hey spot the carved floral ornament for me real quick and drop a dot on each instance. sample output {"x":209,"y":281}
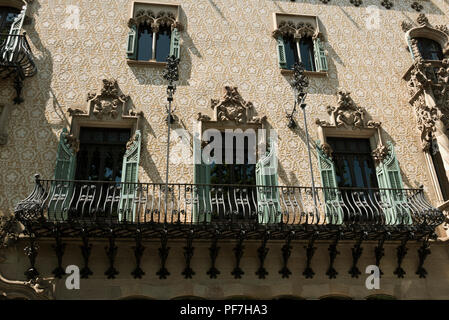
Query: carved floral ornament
{"x":297,"y":30}
{"x":155,"y":20}
{"x":347,"y":115}
{"x":109,"y":103}
{"x":232,"y":108}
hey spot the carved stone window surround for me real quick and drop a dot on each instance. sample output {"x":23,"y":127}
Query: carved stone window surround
{"x":231,"y":112}
{"x":156,"y":14}
{"x":347,"y":120}
{"x":107,"y":109}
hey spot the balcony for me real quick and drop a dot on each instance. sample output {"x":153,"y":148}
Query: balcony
{"x":73,"y":206}
{"x":16,"y":61}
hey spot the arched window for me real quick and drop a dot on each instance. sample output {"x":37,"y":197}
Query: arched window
{"x":163,"y":43}
{"x":144,"y":42}
{"x":307,"y":54}
{"x":299,"y":51}
{"x":7,"y":16}
{"x":429,"y":49}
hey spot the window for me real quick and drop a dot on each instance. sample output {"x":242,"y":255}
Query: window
{"x":429,"y":49}
{"x":100,"y":156}
{"x":353,"y":162}
{"x":7,"y":16}
{"x":299,"y":40}
{"x":154,"y":33}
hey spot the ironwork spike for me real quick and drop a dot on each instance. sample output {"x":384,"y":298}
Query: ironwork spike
{"x":286,"y":253}
{"x":59,"y":248}
{"x":213,"y":253}
{"x":238,"y":252}
{"x":379,"y":250}
{"x":357,"y":251}
{"x":310,"y":251}
{"x":111,"y":252}
{"x":188,"y":254}
{"x":423,"y":252}
{"x":163,"y":255}
{"x":333,"y":252}
{"x":31,"y":252}
{"x":138,"y":253}
{"x":86,"y":249}
{"x":262,"y":252}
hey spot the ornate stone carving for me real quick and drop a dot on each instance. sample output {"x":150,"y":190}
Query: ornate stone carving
{"x":36,"y":289}
{"x":155,"y":20}
{"x":110,"y":103}
{"x":347,"y":113}
{"x":9,"y":231}
{"x":326,"y":149}
{"x":422,"y":20}
{"x":406,"y":26}
{"x":380,"y":153}
{"x":232,"y":107}
{"x":297,"y":30}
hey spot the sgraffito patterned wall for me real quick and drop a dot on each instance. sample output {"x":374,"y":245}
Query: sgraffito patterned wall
{"x":225,"y":42}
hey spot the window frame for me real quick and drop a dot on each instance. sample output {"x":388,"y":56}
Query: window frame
{"x":175,"y":27}
{"x":310,"y":28}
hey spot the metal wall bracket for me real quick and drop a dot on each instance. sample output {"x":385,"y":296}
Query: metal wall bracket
{"x":379,"y":251}
{"x":310,"y":251}
{"x":238,"y":252}
{"x":357,"y":251}
{"x":213,"y":253}
{"x":111,"y":252}
{"x":59,"y":248}
{"x":262,"y":252}
{"x":401,"y":251}
{"x":31,"y":252}
{"x":188,"y":254}
{"x":286,"y":253}
{"x":86,"y":249}
{"x":163,"y":255}
{"x":423,"y":252}
{"x":333,"y":252}
{"x":138,"y":253}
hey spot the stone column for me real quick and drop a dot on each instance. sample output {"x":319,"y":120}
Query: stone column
{"x":443,"y":144}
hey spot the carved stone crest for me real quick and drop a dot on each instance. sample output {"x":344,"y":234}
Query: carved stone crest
{"x":232,"y":108}
{"x":109,"y":103}
{"x":346,"y":113}
{"x":155,"y":20}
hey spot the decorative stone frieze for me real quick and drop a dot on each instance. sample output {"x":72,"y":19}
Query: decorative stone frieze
{"x":297,"y":30}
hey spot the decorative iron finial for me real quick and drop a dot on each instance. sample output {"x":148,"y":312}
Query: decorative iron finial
{"x":300,"y":80}
{"x":171,"y":71}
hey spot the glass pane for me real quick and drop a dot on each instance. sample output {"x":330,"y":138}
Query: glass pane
{"x":163,"y":44}
{"x":7,"y":16}
{"x":429,"y":49}
{"x":144,"y":42}
{"x":307,"y":58}
{"x":291,"y":52}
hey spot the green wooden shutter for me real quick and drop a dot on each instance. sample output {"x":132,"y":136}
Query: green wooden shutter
{"x":131,"y":47}
{"x":268,"y":203}
{"x":62,"y":190}
{"x":175,"y":49}
{"x":389,"y":177}
{"x":281,"y":53}
{"x":12,"y":41}
{"x":202,"y":179}
{"x":333,"y":210}
{"x":320,"y":55}
{"x":130,"y":176}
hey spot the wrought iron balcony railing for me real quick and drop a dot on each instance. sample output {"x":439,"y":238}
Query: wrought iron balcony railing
{"x":16,"y":61}
{"x":118,"y":203}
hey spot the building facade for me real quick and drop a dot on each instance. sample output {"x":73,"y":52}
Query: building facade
{"x":85,"y":95}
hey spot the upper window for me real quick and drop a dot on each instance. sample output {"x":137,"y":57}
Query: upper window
{"x":299,"y":40}
{"x":429,"y":49}
{"x":7,"y":16}
{"x":154,"y":33}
